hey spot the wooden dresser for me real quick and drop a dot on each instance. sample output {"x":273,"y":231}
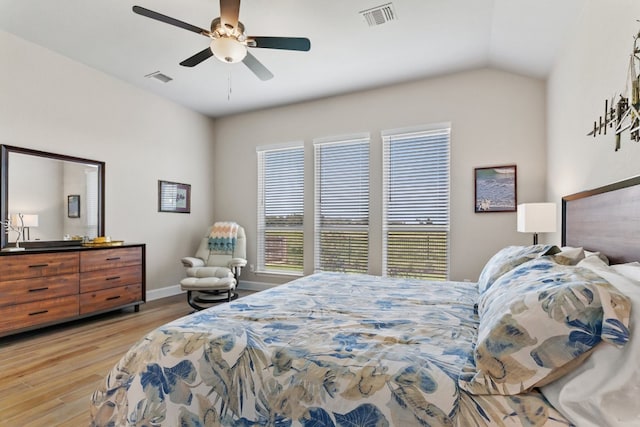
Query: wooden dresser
{"x":43,"y":287}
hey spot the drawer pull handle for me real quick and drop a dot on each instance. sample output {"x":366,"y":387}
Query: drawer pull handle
{"x":112,"y":298}
{"x":38,"y":265}
{"x":113,"y":278}
{"x":115,"y":258}
{"x":38,"y":289}
{"x":35,"y":313}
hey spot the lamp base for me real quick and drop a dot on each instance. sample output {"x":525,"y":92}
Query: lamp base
{"x":12,"y":249}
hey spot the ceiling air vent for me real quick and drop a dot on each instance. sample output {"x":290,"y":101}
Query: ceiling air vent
{"x":159,"y":76}
{"x":379,"y":15}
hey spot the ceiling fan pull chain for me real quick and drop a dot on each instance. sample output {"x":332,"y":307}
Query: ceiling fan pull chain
{"x":229,"y":87}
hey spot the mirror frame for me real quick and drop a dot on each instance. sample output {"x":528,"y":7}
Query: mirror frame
{"x":5,"y":150}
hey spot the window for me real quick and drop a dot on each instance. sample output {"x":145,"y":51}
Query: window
{"x":91,"y":217}
{"x":342,"y":205}
{"x":416,"y":203}
{"x":280,"y":209}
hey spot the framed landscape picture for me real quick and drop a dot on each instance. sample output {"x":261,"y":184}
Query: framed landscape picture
{"x":496,"y":189}
{"x":73,"y":206}
{"x":174,"y":197}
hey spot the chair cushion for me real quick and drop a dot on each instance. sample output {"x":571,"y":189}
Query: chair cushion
{"x":216,"y":272}
{"x":207,"y":284}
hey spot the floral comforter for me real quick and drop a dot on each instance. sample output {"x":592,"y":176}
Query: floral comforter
{"x":324,"y":350}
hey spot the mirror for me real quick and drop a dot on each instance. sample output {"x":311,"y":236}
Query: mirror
{"x":61,"y":197}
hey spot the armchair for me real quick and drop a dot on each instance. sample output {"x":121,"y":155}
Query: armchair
{"x":216,"y":266}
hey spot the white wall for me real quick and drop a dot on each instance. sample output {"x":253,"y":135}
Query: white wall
{"x":31,"y":194}
{"x":497,"y":118}
{"x":50,"y":103}
{"x":592,"y":68}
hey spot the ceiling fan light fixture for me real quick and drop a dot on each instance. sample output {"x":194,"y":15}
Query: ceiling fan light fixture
{"x":228,"y":49}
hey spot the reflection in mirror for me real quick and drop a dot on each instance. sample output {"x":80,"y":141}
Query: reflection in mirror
{"x":38,"y":185}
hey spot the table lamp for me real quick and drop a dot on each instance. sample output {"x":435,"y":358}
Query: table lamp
{"x":536,"y":218}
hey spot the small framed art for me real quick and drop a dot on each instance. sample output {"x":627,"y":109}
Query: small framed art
{"x":174,"y":197}
{"x":73,"y":206}
{"x":496,"y":189}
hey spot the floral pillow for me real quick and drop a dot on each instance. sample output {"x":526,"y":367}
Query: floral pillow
{"x":604,"y":388}
{"x":508,"y":258}
{"x":538,"y":321}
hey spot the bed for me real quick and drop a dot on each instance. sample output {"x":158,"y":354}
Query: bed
{"x":333,"y":349}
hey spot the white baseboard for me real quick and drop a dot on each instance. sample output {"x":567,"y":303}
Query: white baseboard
{"x":169,"y":291}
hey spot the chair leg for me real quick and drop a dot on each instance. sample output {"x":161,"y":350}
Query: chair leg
{"x":191,"y":299}
{"x":192,"y":302}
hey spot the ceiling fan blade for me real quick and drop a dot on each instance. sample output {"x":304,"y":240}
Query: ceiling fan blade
{"x":229,"y":12}
{"x":169,"y":20}
{"x":288,"y":43}
{"x":256,"y":66}
{"x":197,"y":58}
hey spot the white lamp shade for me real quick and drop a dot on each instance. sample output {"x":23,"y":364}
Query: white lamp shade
{"x":27,"y":220}
{"x":30,"y":220}
{"x":537,"y":217}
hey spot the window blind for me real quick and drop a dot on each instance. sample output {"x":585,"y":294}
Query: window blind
{"x":416,"y":203}
{"x":342,"y":205}
{"x":280,"y":209}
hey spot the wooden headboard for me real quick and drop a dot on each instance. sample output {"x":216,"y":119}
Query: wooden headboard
{"x":605,"y":219}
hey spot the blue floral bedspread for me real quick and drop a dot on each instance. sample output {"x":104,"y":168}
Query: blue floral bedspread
{"x":324,"y":350}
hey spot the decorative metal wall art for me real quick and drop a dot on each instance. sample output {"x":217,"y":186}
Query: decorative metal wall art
{"x":624,"y":114}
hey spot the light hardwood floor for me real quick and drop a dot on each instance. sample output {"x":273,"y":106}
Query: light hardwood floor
{"x":47,"y":376}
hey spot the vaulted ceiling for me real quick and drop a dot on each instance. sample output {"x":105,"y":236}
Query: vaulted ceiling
{"x":421,"y":38}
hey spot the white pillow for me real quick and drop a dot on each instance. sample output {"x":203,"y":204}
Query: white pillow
{"x":630,"y":270}
{"x":600,"y":255}
{"x":605,"y":390}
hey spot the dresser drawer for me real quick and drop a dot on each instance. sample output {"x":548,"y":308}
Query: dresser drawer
{"x":36,"y":313}
{"x":103,"y":279}
{"x":37,"y":265}
{"x":109,"y":258}
{"x":108,"y":298}
{"x":31,"y":290}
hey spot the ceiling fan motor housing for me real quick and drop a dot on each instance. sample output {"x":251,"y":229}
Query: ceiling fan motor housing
{"x":227,"y":30}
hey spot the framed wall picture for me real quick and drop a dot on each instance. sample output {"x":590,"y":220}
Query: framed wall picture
{"x":496,"y":189}
{"x":174,"y":197}
{"x":73,"y":206}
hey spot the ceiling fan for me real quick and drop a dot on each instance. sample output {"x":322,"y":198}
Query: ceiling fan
{"x":228,"y":41}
